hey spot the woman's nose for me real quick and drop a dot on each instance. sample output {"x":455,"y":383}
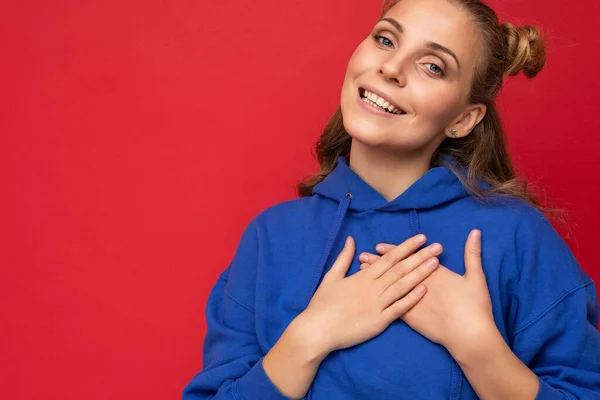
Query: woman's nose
{"x":394,"y":69}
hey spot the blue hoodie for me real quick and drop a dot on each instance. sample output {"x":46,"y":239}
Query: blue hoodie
{"x":544,"y":304}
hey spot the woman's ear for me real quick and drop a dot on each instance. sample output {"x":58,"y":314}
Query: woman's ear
{"x":467,"y":120}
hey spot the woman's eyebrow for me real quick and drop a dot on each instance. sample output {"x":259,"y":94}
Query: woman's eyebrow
{"x":431,"y":45}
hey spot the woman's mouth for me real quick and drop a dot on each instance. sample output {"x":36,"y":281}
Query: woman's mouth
{"x":378,"y":104}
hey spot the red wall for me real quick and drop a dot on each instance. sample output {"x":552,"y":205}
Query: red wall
{"x":137,"y":138}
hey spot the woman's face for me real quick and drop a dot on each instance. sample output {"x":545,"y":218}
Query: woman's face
{"x":413,"y":66}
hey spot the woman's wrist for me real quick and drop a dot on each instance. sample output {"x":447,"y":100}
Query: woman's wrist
{"x":293,"y":361}
{"x":308,"y":338}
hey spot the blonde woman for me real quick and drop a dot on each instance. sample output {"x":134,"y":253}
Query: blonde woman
{"x":414,"y":265}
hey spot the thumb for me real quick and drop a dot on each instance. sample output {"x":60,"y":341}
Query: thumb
{"x":340,"y":267}
{"x":473,"y":265}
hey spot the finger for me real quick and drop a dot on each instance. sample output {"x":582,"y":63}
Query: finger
{"x":404,"y":305}
{"x":340,"y":267}
{"x":368,"y":258}
{"x":397,"y":254}
{"x":473,"y":267}
{"x":404,"y":267}
{"x":383,"y":248}
{"x":401,"y":287}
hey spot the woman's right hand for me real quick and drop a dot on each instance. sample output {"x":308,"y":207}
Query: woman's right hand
{"x":345,"y":311}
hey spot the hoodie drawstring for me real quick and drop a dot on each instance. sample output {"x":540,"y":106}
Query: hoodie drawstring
{"x":333,"y":233}
{"x":413,"y":219}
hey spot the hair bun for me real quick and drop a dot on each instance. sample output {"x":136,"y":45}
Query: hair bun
{"x":526,"y":51}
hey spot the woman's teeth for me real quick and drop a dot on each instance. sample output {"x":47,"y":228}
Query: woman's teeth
{"x":377,"y":101}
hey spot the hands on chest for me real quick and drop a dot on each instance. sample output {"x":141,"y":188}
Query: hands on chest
{"x":447,"y":308}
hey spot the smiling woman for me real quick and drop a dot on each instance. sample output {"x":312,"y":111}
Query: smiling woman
{"x":445,"y":89}
{"x":495,"y":306}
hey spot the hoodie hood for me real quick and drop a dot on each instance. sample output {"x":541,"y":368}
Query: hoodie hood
{"x":439,"y":185}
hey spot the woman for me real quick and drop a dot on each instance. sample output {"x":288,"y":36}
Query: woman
{"x":505,"y":310}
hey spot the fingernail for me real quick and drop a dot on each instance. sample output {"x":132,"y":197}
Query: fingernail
{"x":420,"y":238}
{"x":475,"y":234}
{"x":348,"y":241}
{"x":431,"y":263}
{"x":380,"y":248}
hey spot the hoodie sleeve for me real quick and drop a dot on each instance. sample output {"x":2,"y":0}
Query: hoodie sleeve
{"x":232,"y":358}
{"x":556,"y":315}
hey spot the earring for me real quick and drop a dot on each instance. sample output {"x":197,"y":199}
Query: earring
{"x":453,"y":132}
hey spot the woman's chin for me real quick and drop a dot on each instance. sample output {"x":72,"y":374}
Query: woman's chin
{"x":369,"y":139}
{"x":365,"y":131}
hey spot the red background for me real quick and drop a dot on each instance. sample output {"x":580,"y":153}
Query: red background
{"x":138,"y":138}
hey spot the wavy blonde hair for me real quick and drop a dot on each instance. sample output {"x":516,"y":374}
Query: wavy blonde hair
{"x":507,"y":50}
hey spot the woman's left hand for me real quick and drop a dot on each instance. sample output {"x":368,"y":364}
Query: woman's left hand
{"x":456,"y":310}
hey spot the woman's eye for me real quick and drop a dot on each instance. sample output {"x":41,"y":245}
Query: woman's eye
{"x":437,"y":70}
{"x":377,"y":37}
